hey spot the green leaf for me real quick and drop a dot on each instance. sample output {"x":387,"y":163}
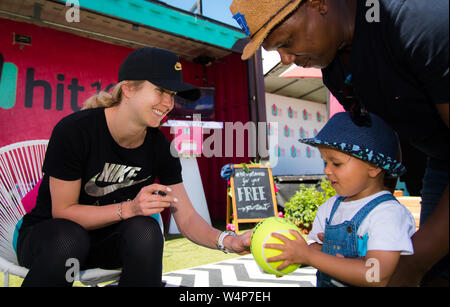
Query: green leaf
{"x":302,"y":207}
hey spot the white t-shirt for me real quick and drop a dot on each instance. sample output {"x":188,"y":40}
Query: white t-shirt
{"x":389,"y":225}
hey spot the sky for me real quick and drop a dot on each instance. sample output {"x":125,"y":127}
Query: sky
{"x":215,"y":9}
{"x":220,"y":10}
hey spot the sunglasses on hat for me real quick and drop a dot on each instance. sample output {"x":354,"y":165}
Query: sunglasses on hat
{"x":353,"y":105}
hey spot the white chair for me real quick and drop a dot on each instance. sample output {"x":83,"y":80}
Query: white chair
{"x":20,"y":169}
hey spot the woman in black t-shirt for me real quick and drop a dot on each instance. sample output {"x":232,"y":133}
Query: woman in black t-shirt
{"x":98,"y":192}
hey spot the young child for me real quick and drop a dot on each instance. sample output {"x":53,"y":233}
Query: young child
{"x":360,"y":233}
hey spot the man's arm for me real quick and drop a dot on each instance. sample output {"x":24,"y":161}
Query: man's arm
{"x":443,"y":111}
{"x":430,"y":245}
{"x":430,"y":241}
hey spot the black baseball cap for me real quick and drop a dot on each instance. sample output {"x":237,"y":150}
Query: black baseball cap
{"x":160,"y":67}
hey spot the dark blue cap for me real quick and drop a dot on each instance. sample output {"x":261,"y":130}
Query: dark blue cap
{"x":160,"y":67}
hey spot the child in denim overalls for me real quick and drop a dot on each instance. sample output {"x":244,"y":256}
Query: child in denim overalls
{"x":360,"y":233}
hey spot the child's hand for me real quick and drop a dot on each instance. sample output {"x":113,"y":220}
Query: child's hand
{"x":321,"y":236}
{"x":294,"y":251}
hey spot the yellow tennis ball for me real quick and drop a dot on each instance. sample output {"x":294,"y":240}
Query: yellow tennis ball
{"x":262,"y":234}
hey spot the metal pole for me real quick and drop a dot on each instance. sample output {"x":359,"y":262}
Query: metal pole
{"x":198,"y":6}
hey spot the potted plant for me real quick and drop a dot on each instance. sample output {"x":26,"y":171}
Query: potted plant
{"x":302,"y":207}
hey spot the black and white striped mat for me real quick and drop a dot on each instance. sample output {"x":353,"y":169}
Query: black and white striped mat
{"x":237,"y":272}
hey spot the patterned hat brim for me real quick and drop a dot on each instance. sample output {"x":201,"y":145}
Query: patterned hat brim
{"x":386,"y":163}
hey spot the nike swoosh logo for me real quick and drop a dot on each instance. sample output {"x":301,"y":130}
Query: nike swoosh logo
{"x":92,"y":189}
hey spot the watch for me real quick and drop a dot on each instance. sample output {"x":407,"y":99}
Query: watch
{"x":220,"y":241}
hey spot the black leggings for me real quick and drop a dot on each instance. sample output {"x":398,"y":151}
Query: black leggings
{"x":135,"y":245}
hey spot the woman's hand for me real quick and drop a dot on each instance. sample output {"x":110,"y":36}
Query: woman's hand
{"x":241,"y":244}
{"x":148,"y":201}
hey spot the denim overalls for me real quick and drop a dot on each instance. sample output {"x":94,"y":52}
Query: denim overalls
{"x":342,"y":239}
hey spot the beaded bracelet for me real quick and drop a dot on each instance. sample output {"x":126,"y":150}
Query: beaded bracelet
{"x":119,"y":211}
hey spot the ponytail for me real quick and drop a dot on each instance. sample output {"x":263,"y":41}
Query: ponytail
{"x":107,"y":100}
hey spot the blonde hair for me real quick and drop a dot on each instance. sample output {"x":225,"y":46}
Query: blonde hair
{"x":107,"y":100}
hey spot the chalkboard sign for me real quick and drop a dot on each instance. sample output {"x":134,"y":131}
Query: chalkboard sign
{"x":253,"y":194}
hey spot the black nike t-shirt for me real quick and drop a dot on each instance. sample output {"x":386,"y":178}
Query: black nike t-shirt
{"x":81,"y":147}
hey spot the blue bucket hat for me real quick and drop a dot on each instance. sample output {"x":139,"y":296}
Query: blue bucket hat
{"x":377,"y":144}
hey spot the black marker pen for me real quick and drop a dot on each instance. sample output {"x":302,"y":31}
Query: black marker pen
{"x":162,"y":193}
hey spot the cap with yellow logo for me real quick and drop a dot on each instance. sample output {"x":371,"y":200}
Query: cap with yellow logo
{"x":178,"y":66}
{"x":160,"y":67}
